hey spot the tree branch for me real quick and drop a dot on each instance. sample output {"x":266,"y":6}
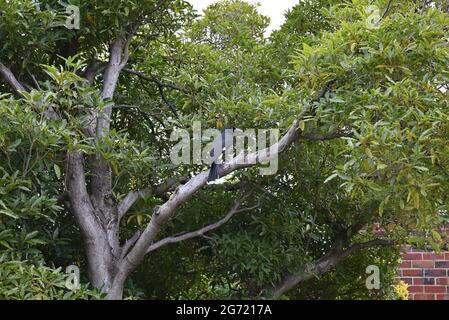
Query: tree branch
{"x":101,"y":177}
{"x":79,"y":197}
{"x":141,"y":18}
{"x":167,"y":102}
{"x":201,"y":232}
{"x":331,"y":136}
{"x":95,"y":67}
{"x":154,"y":79}
{"x":36,"y":83}
{"x":11,"y":79}
{"x":325,"y":263}
{"x":387,"y":9}
{"x":160,"y":86}
{"x":18,"y":87}
{"x":128,"y":243}
{"x":364,"y":245}
{"x":160,"y":190}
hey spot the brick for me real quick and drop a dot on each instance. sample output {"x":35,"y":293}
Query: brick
{"x":435,"y":289}
{"x":441,"y":264}
{"x":412,"y":256}
{"x":418,"y":289}
{"x":435,"y":272}
{"x":433,"y":256}
{"x":446,"y":256}
{"x":442,"y":297}
{"x":443,"y":281}
{"x":428,"y":281}
{"x":423,"y":264}
{"x":405,"y":264}
{"x":422,"y":281}
{"x":412,"y":272}
{"x":423,"y":296}
{"x":409,"y":281}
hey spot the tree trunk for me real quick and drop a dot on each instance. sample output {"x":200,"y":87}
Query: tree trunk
{"x":100,"y":264}
{"x":99,"y":226}
{"x":116,"y":290}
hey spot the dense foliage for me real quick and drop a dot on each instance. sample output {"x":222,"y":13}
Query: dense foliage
{"x":372,"y":152}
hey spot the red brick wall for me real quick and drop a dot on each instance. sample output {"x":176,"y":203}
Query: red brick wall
{"x":426,"y":273}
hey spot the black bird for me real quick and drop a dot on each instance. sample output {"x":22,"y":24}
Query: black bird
{"x":219,"y":145}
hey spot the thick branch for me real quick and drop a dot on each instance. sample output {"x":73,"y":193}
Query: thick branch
{"x":91,"y":71}
{"x":129,"y":243}
{"x":96,"y":239}
{"x":364,"y":245}
{"x":111,"y":75}
{"x":18,"y":87}
{"x":11,"y":79}
{"x":79,"y":198}
{"x":324,"y":264}
{"x":101,"y":178}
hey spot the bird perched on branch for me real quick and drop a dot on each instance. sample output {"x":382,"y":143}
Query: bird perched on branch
{"x":221,"y":143}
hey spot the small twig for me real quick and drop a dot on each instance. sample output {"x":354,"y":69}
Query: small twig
{"x":34,"y":79}
{"x":154,"y":79}
{"x":387,"y":8}
{"x":331,"y":136}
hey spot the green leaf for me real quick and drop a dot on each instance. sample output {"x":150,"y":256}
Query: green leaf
{"x":57,"y":171}
{"x":424,"y":169}
{"x":333,"y":176}
{"x":9,"y":213}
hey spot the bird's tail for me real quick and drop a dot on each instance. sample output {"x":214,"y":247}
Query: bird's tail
{"x":213,"y":173}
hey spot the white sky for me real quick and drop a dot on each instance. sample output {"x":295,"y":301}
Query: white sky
{"x":273,"y":8}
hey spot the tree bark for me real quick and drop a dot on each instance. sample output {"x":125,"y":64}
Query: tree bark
{"x":102,"y":244}
{"x":9,"y":77}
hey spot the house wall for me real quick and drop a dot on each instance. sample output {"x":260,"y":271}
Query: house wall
{"x":426,"y":273}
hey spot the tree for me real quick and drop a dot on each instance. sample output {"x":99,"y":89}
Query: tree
{"x":88,"y":115}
